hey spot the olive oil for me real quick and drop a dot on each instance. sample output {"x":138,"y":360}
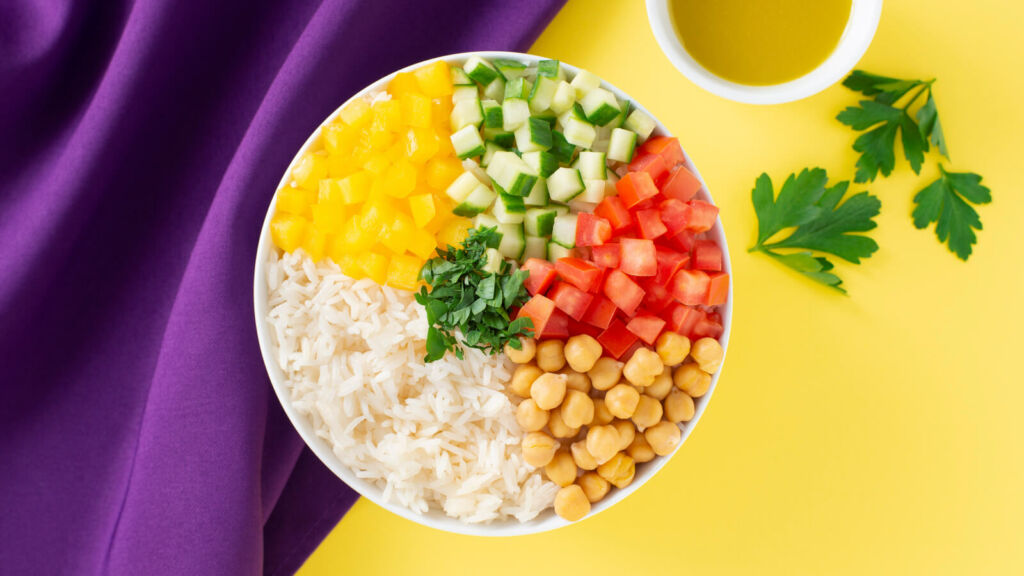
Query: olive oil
{"x":760,"y":42}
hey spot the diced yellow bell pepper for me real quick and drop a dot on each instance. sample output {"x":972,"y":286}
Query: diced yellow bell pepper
{"x":423,"y":243}
{"x":420,"y":144}
{"x":330,"y":191}
{"x":316,"y":244}
{"x":355,"y":188}
{"x":329,"y":217}
{"x":380,"y":136}
{"x":441,"y":111}
{"x":416,"y":110}
{"x":294,"y":200}
{"x":374,"y":265}
{"x":339,"y":138}
{"x":375,"y":215}
{"x":357,"y":113}
{"x":422,"y":208}
{"x":400,"y":179}
{"x":350,"y":267}
{"x":404,"y":272}
{"x":388,"y":115}
{"x":341,"y":166}
{"x":435,"y":79}
{"x":311,"y":167}
{"x":444,"y":143}
{"x":454,"y":233}
{"x":288,"y":231}
{"x":354,"y":237}
{"x":403,"y":83}
{"x":442,"y":171}
{"x":398,"y":234}
{"x":377,"y":164}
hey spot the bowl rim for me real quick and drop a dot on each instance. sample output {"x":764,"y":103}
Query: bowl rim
{"x":857,"y":35}
{"x":435,"y":518}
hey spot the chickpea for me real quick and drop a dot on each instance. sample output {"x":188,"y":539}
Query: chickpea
{"x":530,"y":416}
{"x":548,"y":391}
{"x":662,"y":385}
{"x":663,"y":437}
{"x":679,"y":407}
{"x":584,"y":459}
{"x":708,"y":354}
{"x":602,"y":443}
{"x":606,"y":373}
{"x":622,"y":401}
{"x":593,"y":486}
{"x":524,"y":354}
{"x":648,"y":412}
{"x":558,"y":427}
{"x":672,"y":347}
{"x":620,"y":470}
{"x":523,"y":378}
{"x":601,"y":414}
{"x":561,"y":470}
{"x":642,"y":367}
{"x":582,"y":351}
{"x":576,"y":381}
{"x":571,"y":503}
{"x":640,"y":450}
{"x":627,"y":432}
{"x":551,"y":355}
{"x":692,"y":380}
{"x":539,"y":449}
{"x":577,"y":409}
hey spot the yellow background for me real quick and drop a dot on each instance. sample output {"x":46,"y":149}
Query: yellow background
{"x":879,"y":433}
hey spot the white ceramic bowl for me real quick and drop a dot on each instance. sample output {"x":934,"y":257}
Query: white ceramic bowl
{"x":860,"y":29}
{"x":436,"y":518}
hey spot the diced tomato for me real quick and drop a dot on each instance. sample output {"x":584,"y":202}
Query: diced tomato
{"x":647,"y":326}
{"x":606,"y":256}
{"x":615,"y":212}
{"x":635,"y":187}
{"x":667,"y":148}
{"x":542,"y":274}
{"x":578,"y":272}
{"x":675,"y":215}
{"x":718,"y":289}
{"x":682,"y":318}
{"x":648,"y":204}
{"x":683,"y":241}
{"x":616,"y":339}
{"x":557,"y":327}
{"x":592,"y":230}
{"x":584,"y":328}
{"x":623,"y":291}
{"x":570,"y":299}
{"x":680,"y":184}
{"x":650,"y":224}
{"x":702,"y":216}
{"x":539,"y":309}
{"x":652,"y":164}
{"x":639,"y":258}
{"x":707,"y":256}
{"x":709,"y":326}
{"x":600,"y":313}
{"x":690,"y":287}
{"x":669,"y":262}
{"x":656,"y":296}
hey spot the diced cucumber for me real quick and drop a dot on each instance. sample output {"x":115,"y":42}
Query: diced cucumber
{"x":462,"y":186}
{"x":640,"y":123}
{"x":480,"y":199}
{"x":561,"y":149}
{"x":565,"y":184}
{"x":580,"y":133}
{"x":625,"y":107}
{"x":543,"y":162}
{"x":459,"y":78}
{"x":563,"y":98}
{"x":593,"y":190}
{"x":466,"y":113}
{"x":548,"y":116}
{"x":560,"y":209}
{"x":536,"y":247}
{"x":515,"y":113}
{"x":622,"y":145}
{"x":539,"y":194}
{"x":494,"y":260}
{"x":510,"y":69}
{"x":600,"y":106}
{"x":489,"y":149}
{"x":556,"y":251}
{"x":517,"y":88}
{"x":575,"y":111}
{"x":496,"y":89}
{"x":540,"y":220}
{"x":492,"y":113}
{"x":592,"y":165}
{"x":467,"y":142}
{"x":577,"y":205}
{"x":469,"y":92}
{"x":533,"y":136}
{"x":513,"y":240}
{"x":511,"y":174}
{"x":600,"y":145}
{"x":542,"y":94}
{"x":481,"y":175}
{"x":499,"y":136}
{"x":584,"y":82}
{"x":485,"y":221}
{"x":509,"y":209}
{"x":479,"y":70}
{"x":549,"y":69}
{"x":563,"y":232}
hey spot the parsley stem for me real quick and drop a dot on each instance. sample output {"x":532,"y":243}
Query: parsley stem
{"x":925,"y":86}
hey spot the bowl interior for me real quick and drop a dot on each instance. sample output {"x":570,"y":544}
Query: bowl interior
{"x":436,"y":518}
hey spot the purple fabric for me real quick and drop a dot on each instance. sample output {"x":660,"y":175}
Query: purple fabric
{"x":140,"y":144}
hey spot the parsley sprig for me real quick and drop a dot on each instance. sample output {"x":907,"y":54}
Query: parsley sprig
{"x":947,"y":202}
{"x":820,"y":223}
{"x":467,"y":299}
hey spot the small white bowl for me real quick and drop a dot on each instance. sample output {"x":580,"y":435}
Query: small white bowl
{"x":860,"y":29}
{"x":436,"y":518}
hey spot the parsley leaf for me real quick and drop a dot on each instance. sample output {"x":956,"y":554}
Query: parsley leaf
{"x":822,"y":222}
{"x":947,"y":202}
{"x":465,"y":300}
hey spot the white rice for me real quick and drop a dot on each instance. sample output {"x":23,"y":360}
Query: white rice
{"x":441,"y":435}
